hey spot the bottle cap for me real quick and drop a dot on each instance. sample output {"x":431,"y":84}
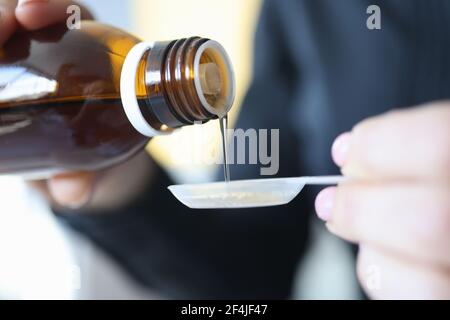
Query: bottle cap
{"x":128,"y":90}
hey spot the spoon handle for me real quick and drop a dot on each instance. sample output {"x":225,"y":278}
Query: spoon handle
{"x":323,"y":179}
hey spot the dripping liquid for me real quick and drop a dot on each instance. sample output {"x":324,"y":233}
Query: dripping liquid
{"x":223,"y":130}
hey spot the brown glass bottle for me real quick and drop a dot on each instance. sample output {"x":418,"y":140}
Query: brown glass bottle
{"x":60,"y":99}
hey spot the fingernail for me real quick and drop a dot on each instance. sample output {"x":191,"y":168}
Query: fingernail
{"x":340,"y":148}
{"x":324,"y":203}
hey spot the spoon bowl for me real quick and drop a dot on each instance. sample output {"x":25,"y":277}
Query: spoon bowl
{"x":245,"y":193}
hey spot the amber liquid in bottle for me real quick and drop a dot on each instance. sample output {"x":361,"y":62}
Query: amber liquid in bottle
{"x":60,"y":105}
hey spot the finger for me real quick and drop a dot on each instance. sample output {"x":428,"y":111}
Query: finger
{"x":412,"y":143}
{"x":408,"y":218}
{"x":36,"y":14}
{"x":72,"y":190}
{"x":8,"y":23}
{"x":384,"y":276}
{"x":120,"y":185}
{"x":104,"y":190}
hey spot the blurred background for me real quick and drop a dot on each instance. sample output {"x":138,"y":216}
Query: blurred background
{"x":41,"y":259}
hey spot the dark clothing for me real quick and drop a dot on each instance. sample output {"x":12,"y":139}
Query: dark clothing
{"x":318,"y":70}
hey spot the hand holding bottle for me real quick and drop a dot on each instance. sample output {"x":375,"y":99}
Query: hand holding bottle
{"x":396,"y":204}
{"x":81,"y":99}
{"x":75,"y":189}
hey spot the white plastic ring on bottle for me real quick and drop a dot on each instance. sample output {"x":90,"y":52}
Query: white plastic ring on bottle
{"x":128,"y":90}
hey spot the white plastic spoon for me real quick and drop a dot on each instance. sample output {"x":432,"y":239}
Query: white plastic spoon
{"x":246,"y":193}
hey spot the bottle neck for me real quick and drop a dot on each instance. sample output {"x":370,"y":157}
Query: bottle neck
{"x":183,"y":82}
